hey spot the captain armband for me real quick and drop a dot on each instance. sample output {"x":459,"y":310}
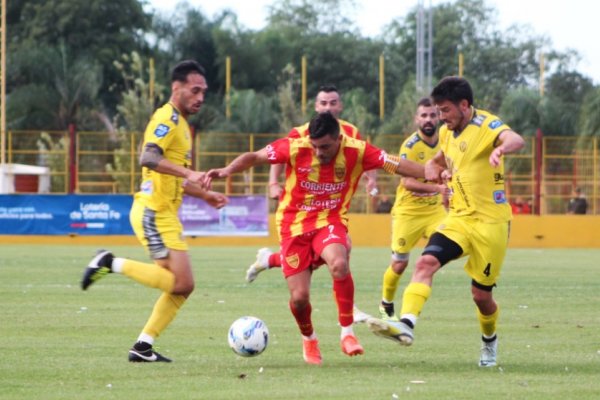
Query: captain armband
{"x":151,"y":155}
{"x":391,"y":163}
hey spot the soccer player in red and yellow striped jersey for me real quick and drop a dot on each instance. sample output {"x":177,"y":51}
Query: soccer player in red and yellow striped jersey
{"x":322,"y":174}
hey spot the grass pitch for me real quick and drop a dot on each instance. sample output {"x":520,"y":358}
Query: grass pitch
{"x":58,"y":342}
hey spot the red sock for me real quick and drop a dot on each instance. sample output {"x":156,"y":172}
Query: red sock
{"x":343,"y":290}
{"x":303,"y":319}
{"x":275,"y":260}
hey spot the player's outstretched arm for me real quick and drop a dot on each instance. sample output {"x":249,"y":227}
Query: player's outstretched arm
{"x":396,"y":165}
{"x":152,"y":158}
{"x":212,"y":198}
{"x":241,"y":163}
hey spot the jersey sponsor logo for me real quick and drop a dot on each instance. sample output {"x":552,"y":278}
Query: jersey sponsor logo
{"x":322,"y":188}
{"x":175,"y":117}
{"x":403,"y":156}
{"x":498,"y":177}
{"x":495,"y":124}
{"x":411,"y":142}
{"x":500,"y":197}
{"x":293,"y":261}
{"x":146,"y":187}
{"x":161,"y":130}
{"x":478,"y":120}
{"x":270,"y":152}
{"x":316,"y":205}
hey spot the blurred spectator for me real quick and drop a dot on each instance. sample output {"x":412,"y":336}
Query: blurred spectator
{"x":520,"y":207}
{"x":385,"y":205}
{"x":578,"y":203}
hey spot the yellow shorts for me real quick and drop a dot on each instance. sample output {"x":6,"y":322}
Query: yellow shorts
{"x":408,"y":229}
{"x":484,"y":243}
{"x":157,"y":231}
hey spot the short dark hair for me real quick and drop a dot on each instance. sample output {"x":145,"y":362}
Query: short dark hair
{"x":328,"y":88}
{"x":184,"y":68}
{"x":322,"y":125}
{"x":454,"y":89}
{"x":425,"y":102}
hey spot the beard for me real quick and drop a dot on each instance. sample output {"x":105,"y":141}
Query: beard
{"x":428,"y":130}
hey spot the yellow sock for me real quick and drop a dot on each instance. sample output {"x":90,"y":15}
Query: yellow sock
{"x":149,"y":274}
{"x":487,"y":323}
{"x":415,"y":296}
{"x":164,"y":311}
{"x":390,"y":284}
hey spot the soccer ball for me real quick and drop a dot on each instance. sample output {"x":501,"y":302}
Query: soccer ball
{"x":248,"y":336}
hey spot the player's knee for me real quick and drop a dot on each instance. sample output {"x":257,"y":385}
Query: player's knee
{"x":426,"y":265}
{"x":300,"y":299}
{"x":399,"y":262}
{"x":184,"y":288}
{"x":339,"y":268}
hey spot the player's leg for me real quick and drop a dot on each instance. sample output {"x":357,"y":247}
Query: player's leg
{"x":406,"y":232}
{"x":484,"y":265}
{"x":439,"y":251}
{"x":296,"y":256}
{"x":265,"y":259}
{"x":332,"y":245}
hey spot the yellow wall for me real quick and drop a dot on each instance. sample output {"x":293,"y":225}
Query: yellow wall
{"x":375,"y":230}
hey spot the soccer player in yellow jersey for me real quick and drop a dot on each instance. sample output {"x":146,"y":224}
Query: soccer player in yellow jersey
{"x":472,"y":144}
{"x":418,"y":209}
{"x":166,"y":175}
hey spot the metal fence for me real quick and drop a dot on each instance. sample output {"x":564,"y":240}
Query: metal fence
{"x":543,"y":175}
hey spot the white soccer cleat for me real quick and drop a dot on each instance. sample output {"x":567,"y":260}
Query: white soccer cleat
{"x":261,"y":264}
{"x":399,"y":332}
{"x":488,"y":353}
{"x":359,"y":316}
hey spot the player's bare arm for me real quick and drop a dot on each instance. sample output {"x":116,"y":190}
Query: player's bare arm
{"x":212,"y":198}
{"x":274,"y":186}
{"x":152,"y":157}
{"x":239,"y":164}
{"x":396,"y":165}
{"x":508,"y":142}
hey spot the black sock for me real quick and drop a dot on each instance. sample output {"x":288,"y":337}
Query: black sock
{"x":408,"y":322}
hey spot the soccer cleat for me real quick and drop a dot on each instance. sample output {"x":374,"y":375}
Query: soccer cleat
{"x":142,"y":352}
{"x":261,"y":264}
{"x":359,"y":316}
{"x":387,"y":312}
{"x":351,"y":346}
{"x":488,"y":353}
{"x":97,"y":268}
{"x":311,"y":352}
{"x":396,"y":331}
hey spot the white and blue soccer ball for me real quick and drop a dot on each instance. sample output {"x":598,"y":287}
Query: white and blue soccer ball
{"x":248,"y":336}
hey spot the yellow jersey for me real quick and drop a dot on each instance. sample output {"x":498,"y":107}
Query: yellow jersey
{"x":414,"y":148}
{"x":477,"y":188}
{"x":171,"y":132}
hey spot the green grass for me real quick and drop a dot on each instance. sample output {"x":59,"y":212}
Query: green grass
{"x":58,"y":342}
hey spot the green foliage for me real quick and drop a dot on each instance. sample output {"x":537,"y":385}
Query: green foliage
{"x":521,"y":111}
{"x":589,"y":119}
{"x":291,"y":113}
{"x":62,"y":343}
{"x":53,"y":153}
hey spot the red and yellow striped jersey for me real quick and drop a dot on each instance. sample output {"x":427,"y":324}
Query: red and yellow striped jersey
{"x":345,"y":127}
{"x":316,"y":195}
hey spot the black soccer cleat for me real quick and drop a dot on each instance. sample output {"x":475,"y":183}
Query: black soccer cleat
{"x":97,"y":268}
{"x":142,"y":352}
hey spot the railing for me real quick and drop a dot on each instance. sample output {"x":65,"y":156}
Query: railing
{"x":542,"y":175}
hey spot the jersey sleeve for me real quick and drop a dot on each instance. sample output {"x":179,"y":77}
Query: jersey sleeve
{"x":160,"y":131}
{"x":495,"y":127}
{"x":278,"y":152}
{"x":373,"y":158}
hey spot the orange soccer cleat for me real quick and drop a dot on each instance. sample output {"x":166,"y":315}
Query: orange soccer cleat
{"x":351,"y":346}
{"x":311,"y":352}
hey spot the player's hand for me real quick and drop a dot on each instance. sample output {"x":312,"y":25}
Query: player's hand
{"x":197,"y":177}
{"x":433,"y":172}
{"x":275,"y":190}
{"x":496,"y":156}
{"x":216,"y":199}
{"x":214,"y":174}
{"x":371,"y":187}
